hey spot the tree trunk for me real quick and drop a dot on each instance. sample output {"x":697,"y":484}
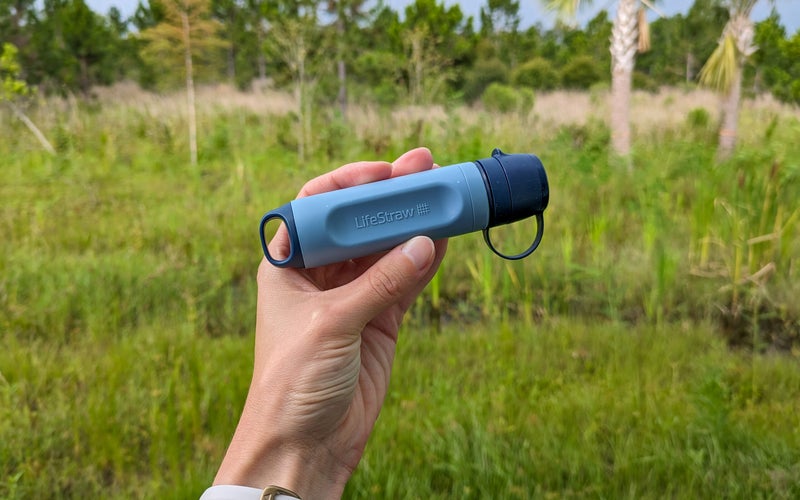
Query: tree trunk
{"x":261,"y":61}
{"x":190,"y":100}
{"x":33,"y":128}
{"x":231,"y":64}
{"x":341,"y":68}
{"x":621,"y":83}
{"x":623,"y":52}
{"x":730,"y":116}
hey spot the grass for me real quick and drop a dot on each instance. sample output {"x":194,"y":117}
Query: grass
{"x":598,"y":367}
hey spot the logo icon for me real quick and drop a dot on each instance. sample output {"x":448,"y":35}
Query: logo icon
{"x":423,"y":208}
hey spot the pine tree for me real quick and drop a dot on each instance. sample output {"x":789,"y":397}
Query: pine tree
{"x":186,"y":34}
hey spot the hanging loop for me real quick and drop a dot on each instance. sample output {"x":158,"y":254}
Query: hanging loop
{"x":534,"y":245}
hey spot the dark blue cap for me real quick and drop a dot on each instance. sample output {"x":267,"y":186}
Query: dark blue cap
{"x":517,"y":186}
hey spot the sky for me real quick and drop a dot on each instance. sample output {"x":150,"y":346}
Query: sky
{"x":533,"y":12}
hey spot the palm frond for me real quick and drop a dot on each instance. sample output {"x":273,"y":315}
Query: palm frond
{"x":718,"y":72}
{"x":566,"y":9}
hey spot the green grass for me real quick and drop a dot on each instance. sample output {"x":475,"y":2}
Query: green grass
{"x":598,"y":367}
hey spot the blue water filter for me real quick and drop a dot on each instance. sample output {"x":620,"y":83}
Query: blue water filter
{"x":439,"y":203}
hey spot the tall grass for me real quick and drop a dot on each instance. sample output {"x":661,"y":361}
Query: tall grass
{"x":597,"y":367}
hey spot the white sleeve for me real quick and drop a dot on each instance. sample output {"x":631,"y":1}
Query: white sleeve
{"x":227,"y":492}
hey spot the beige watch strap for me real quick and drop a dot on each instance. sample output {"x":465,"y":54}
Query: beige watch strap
{"x":278,"y":493}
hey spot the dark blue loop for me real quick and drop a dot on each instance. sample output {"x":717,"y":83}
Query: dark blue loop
{"x":295,"y":257}
{"x":534,"y":245}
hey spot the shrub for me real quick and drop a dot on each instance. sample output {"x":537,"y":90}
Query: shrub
{"x":698,"y":118}
{"x":538,"y":73}
{"x":484,"y":73}
{"x":503,"y":98}
{"x":580,"y":73}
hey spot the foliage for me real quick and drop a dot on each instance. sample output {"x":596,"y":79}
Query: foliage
{"x":503,"y":98}
{"x":166,"y":43}
{"x":430,"y":53}
{"x":11,"y":86}
{"x":717,"y":73}
{"x":597,"y":367}
{"x":580,"y":73}
{"x":538,"y":73}
{"x":482,"y":74}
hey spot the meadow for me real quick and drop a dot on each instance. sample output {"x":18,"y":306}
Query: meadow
{"x":650,"y":348}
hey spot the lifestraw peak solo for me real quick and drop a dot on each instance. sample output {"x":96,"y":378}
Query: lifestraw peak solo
{"x":439,"y":203}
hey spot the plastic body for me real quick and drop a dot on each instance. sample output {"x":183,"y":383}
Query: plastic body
{"x":439,"y":203}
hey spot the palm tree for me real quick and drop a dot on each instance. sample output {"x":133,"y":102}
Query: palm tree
{"x":629,"y":35}
{"x":723,"y":70}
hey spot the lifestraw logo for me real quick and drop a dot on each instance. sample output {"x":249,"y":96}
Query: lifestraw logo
{"x":388,"y":216}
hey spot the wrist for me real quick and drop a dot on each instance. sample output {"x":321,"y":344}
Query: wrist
{"x":257,"y":458}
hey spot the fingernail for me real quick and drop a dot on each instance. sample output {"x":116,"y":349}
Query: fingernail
{"x":420,"y":250}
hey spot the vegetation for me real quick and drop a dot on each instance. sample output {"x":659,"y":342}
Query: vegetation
{"x":65,"y":47}
{"x":649,"y":347}
{"x":601,"y":366}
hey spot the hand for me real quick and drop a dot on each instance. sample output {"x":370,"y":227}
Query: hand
{"x":325,"y":344}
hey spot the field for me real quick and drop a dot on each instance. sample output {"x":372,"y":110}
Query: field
{"x":649,"y":348}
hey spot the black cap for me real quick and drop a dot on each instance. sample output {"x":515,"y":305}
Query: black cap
{"x":517,"y":186}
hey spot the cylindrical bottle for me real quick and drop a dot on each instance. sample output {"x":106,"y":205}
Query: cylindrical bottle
{"x":439,"y":203}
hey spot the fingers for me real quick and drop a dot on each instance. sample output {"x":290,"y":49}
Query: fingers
{"x":413,"y":161}
{"x":390,"y":280}
{"x":352,"y":174}
{"x":364,"y":172}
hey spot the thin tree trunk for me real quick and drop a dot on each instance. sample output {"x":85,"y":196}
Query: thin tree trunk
{"x":33,"y":128}
{"x":301,"y":99}
{"x":190,"y":100}
{"x":232,"y":64}
{"x":730,"y":116}
{"x":261,"y":61}
{"x":623,"y":52}
{"x":341,"y":69}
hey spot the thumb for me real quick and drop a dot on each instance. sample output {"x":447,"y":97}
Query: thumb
{"x":390,"y":279}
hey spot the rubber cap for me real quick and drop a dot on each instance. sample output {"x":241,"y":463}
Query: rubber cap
{"x":517,"y":186}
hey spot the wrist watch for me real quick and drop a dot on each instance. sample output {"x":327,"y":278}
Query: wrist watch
{"x":231,"y":492}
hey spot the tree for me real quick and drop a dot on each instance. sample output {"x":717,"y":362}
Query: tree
{"x":71,"y":47}
{"x":435,"y":38}
{"x":13,"y":16}
{"x":300,"y":44}
{"x":186,"y":34}
{"x":347,"y":13}
{"x":723,"y":70}
{"x":629,"y":34}
{"x":13,"y":88}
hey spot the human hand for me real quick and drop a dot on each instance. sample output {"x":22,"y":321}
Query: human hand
{"x":325,"y":344}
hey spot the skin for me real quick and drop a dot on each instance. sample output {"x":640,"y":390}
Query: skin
{"x":325,"y":344}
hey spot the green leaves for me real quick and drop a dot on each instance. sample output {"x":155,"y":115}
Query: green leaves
{"x":11,"y":86}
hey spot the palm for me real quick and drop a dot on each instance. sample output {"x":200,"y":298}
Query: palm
{"x":723,"y":70}
{"x":625,"y":40}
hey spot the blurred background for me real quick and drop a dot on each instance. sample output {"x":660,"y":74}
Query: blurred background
{"x":649,"y":348}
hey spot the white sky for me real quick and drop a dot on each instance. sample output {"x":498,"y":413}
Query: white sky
{"x":533,"y":12}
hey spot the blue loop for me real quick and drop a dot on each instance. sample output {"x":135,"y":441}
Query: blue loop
{"x":295,"y":257}
{"x":534,"y":245}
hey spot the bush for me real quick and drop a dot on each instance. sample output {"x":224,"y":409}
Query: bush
{"x":580,"y":73}
{"x":538,"y":73}
{"x":643,"y":81}
{"x":698,"y":118}
{"x":484,"y":73}
{"x":502,"y":98}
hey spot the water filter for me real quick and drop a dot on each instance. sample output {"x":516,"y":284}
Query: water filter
{"x":438,"y":203}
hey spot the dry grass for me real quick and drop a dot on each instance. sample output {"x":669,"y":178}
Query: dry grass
{"x":651,"y":112}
